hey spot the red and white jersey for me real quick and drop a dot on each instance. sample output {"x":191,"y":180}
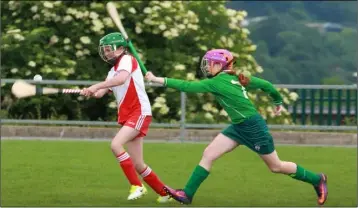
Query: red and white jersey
{"x":131,"y":97}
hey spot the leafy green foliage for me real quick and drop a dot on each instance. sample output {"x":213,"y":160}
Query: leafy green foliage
{"x":59,"y":40}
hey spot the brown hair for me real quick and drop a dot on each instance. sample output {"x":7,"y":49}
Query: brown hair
{"x":244,"y":80}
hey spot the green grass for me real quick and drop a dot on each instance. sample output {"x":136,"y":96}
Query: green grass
{"x":79,"y":173}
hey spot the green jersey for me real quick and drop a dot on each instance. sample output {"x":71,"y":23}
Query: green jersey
{"x":229,"y":92}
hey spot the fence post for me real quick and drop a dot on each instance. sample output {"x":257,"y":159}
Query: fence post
{"x":303,"y":106}
{"x":348,"y":103}
{"x":312,"y":107}
{"x":182,"y":116}
{"x":339,"y":106}
{"x":321,"y":103}
{"x":356,"y":107}
{"x":330,"y":103}
{"x":294,"y":108}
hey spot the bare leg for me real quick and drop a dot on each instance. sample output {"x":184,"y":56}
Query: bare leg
{"x":135,"y":150}
{"x":319,"y":181}
{"x":274,"y":163}
{"x":218,"y":147}
{"x":124,"y":135}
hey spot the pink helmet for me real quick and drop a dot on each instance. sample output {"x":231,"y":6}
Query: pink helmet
{"x":216,"y":56}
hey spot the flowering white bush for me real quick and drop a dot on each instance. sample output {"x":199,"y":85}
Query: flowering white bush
{"x":61,"y":40}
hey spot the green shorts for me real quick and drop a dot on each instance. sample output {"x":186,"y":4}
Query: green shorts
{"x":252,"y":133}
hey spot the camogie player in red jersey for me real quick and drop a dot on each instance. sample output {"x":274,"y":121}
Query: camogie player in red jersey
{"x":126,"y":81}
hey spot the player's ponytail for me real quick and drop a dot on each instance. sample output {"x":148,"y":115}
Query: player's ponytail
{"x":244,"y":78}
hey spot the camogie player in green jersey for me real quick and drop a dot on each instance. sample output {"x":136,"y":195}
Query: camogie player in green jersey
{"x":247,"y":126}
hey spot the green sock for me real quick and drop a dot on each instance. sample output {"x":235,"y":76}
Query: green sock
{"x":196,"y":178}
{"x":306,"y":176}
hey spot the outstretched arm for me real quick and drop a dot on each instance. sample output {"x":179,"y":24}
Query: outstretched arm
{"x":108,"y":83}
{"x":182,"y":85}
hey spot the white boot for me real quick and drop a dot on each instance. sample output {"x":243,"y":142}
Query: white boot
{"x":137,"y":192}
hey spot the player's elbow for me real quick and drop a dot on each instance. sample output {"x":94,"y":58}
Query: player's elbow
{"x":120,"y":82}
{"x":121,"y":78}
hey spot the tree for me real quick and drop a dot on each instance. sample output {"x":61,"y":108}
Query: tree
{"x":59,"y":40}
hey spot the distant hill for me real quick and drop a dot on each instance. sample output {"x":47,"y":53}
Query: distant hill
{"x":343,"y":12}
{"x":307,"y":42}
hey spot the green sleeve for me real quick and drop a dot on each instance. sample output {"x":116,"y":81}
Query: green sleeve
{"x":189,"y":86}
{"x":267,"y":87}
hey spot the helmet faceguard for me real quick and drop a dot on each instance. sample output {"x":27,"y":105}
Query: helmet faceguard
{"x":110,"y":53}
{"x":217,"y":56}
{"x":111,"y":47}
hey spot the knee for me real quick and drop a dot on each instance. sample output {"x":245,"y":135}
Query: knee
{"x":276,"y":168}
{"x":116,"y":147}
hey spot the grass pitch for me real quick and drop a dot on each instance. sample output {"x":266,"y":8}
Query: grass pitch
{"x":79,"y":173}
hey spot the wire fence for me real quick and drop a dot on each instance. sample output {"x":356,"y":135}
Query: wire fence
{"x":299,"y":110}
